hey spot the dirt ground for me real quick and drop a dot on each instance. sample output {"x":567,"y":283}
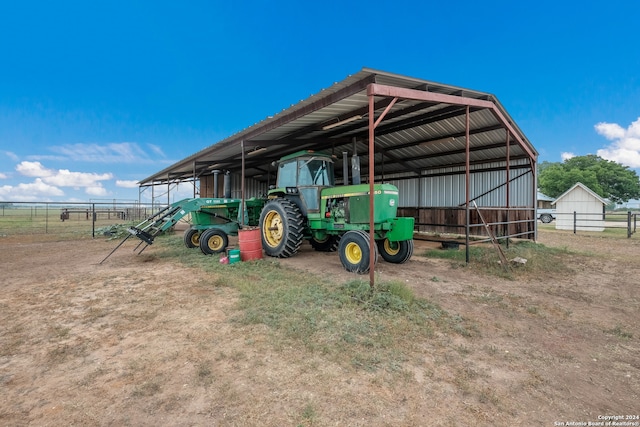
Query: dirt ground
{"x":142,"y":340}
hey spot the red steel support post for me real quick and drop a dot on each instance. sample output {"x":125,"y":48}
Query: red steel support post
{"x":508,"y":188}
{"x":467,"y":184}
{"x":242,"y":184}
{"x":372,"y":242}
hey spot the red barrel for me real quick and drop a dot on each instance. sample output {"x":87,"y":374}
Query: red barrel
{"x":250,"y":242}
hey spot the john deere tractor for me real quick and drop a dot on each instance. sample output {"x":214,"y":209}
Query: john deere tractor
{"x":306,"y":204}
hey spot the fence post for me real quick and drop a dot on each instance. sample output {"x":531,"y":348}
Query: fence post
{"x":628,"y":224}
{"x":93,"y":220}
{"x":575,"y":221}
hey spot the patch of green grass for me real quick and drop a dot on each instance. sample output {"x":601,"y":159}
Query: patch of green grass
{"x":64,"y":352}
{"x":204,"y":374}
{"x":146,"y":389}
{"x":349,"y":323}
{"x":619,"y":332}
{"x":59,"y":332}
{"x":541,"y":260}
{"x":488,"y":296}
{"x":308,"y":415}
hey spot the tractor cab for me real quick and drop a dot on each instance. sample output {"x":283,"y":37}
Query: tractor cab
{"x":301,"y":178}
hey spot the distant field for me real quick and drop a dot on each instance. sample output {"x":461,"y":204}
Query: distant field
{"x":76,"y":221}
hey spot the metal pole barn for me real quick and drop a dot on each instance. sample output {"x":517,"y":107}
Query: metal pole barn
{"x":374,"y":89}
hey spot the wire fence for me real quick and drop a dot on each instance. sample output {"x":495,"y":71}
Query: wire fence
{"x":69,"y":218}
{"x":594,"y":222}
{"x":89,"y":219}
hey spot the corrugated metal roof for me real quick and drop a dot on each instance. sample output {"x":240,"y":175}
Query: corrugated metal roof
{"x":414,"y":136}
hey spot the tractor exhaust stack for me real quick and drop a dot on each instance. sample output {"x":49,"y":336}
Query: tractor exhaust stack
{"x":227,"y":185}
{"x":345,"y":168}
{"x":215,"y":183}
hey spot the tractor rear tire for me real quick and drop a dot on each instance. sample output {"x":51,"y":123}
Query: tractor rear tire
{"x":282,"y":228}
{"x":355,"y":251}
{"x":192,"y":238}
{"x":395,"y":252}
{"x":213,"y":241}
{"x":329,"y":244}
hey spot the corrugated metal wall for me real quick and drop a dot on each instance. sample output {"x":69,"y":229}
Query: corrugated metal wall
{"x":252,"y":187}
{"x":447,"y":187}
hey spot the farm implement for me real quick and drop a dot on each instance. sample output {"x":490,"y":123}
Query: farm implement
{"x":213,"y":220}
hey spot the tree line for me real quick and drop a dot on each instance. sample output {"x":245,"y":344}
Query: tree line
{"x":608,"y":179}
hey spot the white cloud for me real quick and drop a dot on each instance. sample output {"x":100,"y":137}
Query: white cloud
{"x":610,"y":130}
{"x":566,"y":156}
{"x":156,"y":149}
{"x":11,"y":155}
{"x":126,"y":184}
{"x":35,"y":191}
{"x":61,"y":177}
{"x":97,"y":190}
{"x":33,"y":169}
{"x":625,"y":148}
{"x":66,"y":178}
{"x":3,"y":176}
{"x":121,"y":152}
{"x":51,"y":179}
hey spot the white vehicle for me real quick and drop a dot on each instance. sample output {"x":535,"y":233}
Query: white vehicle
{"x":546,"y":215}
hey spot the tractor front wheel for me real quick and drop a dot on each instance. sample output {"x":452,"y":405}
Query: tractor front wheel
{"x":192,"y":238}
{"x":213,"y":241}
{"x":395,"y":252}
{"x":281,"y":224}
{"x":355,"y":251}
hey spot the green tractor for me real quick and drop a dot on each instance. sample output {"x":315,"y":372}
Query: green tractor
{"x":306,"y":204}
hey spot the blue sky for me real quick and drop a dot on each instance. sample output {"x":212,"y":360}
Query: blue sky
{"x":96,"y":95}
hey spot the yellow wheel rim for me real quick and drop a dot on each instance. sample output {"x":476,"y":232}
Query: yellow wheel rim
{"x":272,"y":230}
{"x":195,"y":239}
{"x":215,"y":243}
{"x":391,"y":248}
{"x":353,"y":253}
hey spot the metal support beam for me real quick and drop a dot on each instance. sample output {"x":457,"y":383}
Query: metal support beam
{"x":397,"y":92}
{"x":242,"y":183}
{"x":194,"y":179}
{"x":467,"y":179}
{"x":508,"y":186}
{"x":372,"y":135}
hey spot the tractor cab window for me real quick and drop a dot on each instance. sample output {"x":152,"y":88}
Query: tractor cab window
{"x":287,"y":174}
{"x":315,"y":172}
